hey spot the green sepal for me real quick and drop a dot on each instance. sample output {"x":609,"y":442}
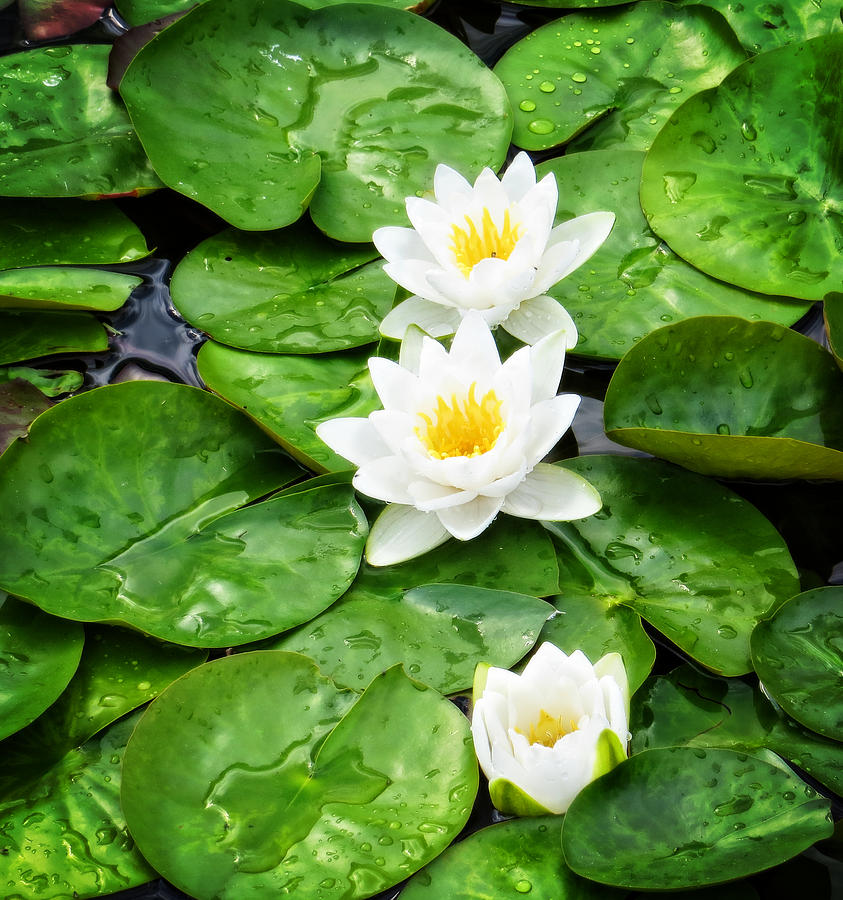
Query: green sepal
{"x":481,"y":673}
{"x":609,"y":752}
{"x":510,"y":799}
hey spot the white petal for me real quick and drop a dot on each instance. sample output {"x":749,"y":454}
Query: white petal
{"x":519,"y":177}
{"x":547,"y":360}
{"x":414,"y":275}
{"x":451,"y":190}
{"x":559,"y":259}
{"x":474,"y":348}
{"x":539,"y":317}
{"x":384,"y":479}
{"x":553,"y":494}
{"x":395,"y":243}
{"x":400,"y":533}
{"x":549,"y":420}
{"x":409,"y":354}
{"x":432,"y":318}
{"x":480,"y":735}
{"x":429,"y":496}
{"x":468,"y":520}
{"x":353,"y":438}
{"x":590,"y":230}
{"x":394,"y":384}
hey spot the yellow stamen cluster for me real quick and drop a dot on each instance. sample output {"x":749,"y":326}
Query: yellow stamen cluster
{"x":466,"y":427}
{"x":548,"y":730}
{"x":470,"y":245}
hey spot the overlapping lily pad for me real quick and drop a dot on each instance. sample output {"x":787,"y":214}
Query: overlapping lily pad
{"x":20,"y":403}
{"x":66,"y":134}
{"x":290,"y":395}
{"x":30,"y":334}
{"x":46,"y":19}
{"x":333,"y":795}
{"x":634,"y":283}
{"x":289,"y":291}
{"x":65,"y":288}
{"x":48,"y":382}
{"x":352,"y":106}
{"x":614,"y":76}
{"x":439,"y":632}
{"x":833,"y":313}
{"x":798,"y":655}
{"x":38,"y":656}
{"x":725,"y":396}
{"x":684,"y":817}
{"x":744,"y":182}
{"x":692,"y":558}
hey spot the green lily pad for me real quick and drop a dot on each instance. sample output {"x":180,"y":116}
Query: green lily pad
{"x":833,"y":314}
{"x":685,"y":817}
{"x":439,"y":632}
{"x":348,"y":109}
{"x":20,"y":403}
{"x":101,"y":521}
{"x":634,"y":283}
{"x":344,"y":798}
{"x":289,"y":291}
{"x":65,"y":288}
{"x":686,"y":707}
{"x":724,"y":396}
{"x":798,"y":655}
{"x":288,"y":396}
{"x":66,"y":135}
{"x":48,"y":382}
{"x":686,"y":554}
{"x":44,"y":20}
{"x":38,"y":656}
{"x":507,"y":860}
{"x":30,"y":334}
{"x":614,"y":76}
{"x":60,"y":232}
{"x":751,"y":196}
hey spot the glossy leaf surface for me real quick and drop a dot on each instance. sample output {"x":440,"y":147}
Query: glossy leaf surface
{"x":352,"y":107}
{"x":692,"y":558}
{"x":833,"y":314}
{"x":46,"y":19}
{"x":49,"y":382}
{"x":439,"y":632}
{"x":64,"y":288}
{"x":634,"y":283}
{"x":613,"y":76}
{"x":725,"y":396}
{"x":29,"y":334}
{"x":67,"y":135}
{"x":342,"y":798}
{"x":744,"y":181}
{"x":20,"y":403}
{"x":685,"y":817}
{"x":288,"y":291}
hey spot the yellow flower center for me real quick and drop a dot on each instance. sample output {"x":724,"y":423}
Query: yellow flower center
{"x":548,"y":730}
{"x":466,"y":427}
{"x":471,"y":245}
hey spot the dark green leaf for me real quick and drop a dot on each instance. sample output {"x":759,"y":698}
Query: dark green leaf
{"x":30,"y":334}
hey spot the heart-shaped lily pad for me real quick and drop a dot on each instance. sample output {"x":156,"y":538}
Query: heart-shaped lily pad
{"x":684,"y":817}
{"x":725,"y":396}
{"x":56,"y":232}
{"x":614,"y":75}
{"x":744,"y":182}
{"x":38,"y":656}
{"x":30,"y":334}
{"x":289,"y":291}
{"x":340,"y":795}
{"x":634,"y":283}
{"x":688,"y":555}
{"x":798,"y":655}
{"x":439,"y":632}
{"x":290,"y":395}
{"x":66,"y":134}
{"x":352,"y":106}
{"x":63,"y":288}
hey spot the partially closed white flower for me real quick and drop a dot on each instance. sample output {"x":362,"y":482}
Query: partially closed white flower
{"x":492,"y":248}
{"x":542,"y":736}
{"x":459,"y":440}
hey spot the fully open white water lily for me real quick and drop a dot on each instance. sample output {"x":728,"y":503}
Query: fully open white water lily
{"x":542,"y":736}
{"x":492,"y":248}
{"x":459,"y":440}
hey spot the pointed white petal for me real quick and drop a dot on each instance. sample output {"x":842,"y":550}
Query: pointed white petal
{"x":394,"y":384}
{"x":549,"y":420}
{"x":429,"y":496}
{"x":402,"y":532}
{"x":409,"y":354}
{"x":353,"y":438}
{"x":474,"y":348}
{"x":468,"y":520}
{"x":537,"y":318}
{"x":432,"y":318}
{"x":395,"y":243}
{"x":384,"y":479}
{"x":452,"y":191}
{"x":559,"y":259}
{"x":589,"y":231}
{"x":414,"y":275}
{"x":553,"y":494}
{"x":547,"y":360}
{"x":519,"y":177}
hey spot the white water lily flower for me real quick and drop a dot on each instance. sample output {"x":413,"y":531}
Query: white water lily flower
{"x":459,"y":440}
{"x":542,"y":736}
{"x":491,"y":247}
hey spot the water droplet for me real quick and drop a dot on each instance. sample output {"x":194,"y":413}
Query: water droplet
{"x":579,"y":77}
{"x":727,"y":632}
{"x":653,"y":402}
{"x":618,"y":550}
{"x":523,"y":886}
{"x":541,"y":126}
{"x":527,"y":105}
{"x":595,"y":49}
{"x":547,"y":87}
{"x":745,"y":377}
{"x":675,"y":89}
{"x":748,"y":131}
{"x":788,"y":795}
{"x":704,"y":141}
{"x":677,"y":184}
{"x":736,"y":805}
{"x":797,"y":217}
{"x":630,"y":40}
{"x":723,"y":428}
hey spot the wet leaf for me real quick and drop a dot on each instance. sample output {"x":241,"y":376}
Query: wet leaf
{"x":27,"y":335}
{"x":49,"y":382}
{"x":63,"y":288}
{"x":44,"y":20}
{"x":20,"y":403}
{"x":833,"y":313}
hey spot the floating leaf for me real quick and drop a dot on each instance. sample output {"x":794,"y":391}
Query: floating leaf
{"x":20,"y":403}
{"x":289,"y":291}
{"x":44,"y":20}
{"x":27,"y":335}
{"x":724,"y":396}
{"x":634,"y":283}
{"x":833,"y":313}
{"x":744,"y":183}
{"x":63,"y":288}
{"x":66,"y":134}
{"x":352,"y":106}
{"x":439,"y":632}
{"x":343,"y":798}
{"x":688,"y":555}
{"x":614,"y":76}
{"x":49,"y":382}
{"x":684,"y":817}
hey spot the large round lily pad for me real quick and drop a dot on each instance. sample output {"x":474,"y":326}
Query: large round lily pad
{"x":65,"y":133}
{"x":634,"y":283}
{"x":744,"y":181}
{"x":725,"y":396}
{"x":684,"y":817}
{"x":615,"y":76}
{"x":279,"y":779}
{"x":288,"y":291}
{"x":798,"y":655}
{"x":688,"y":555}
{"x":29,"y":334}
{"x":352,"y":106}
